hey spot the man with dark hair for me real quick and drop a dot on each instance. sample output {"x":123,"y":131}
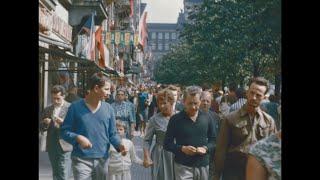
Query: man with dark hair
{"x":241,"y":96}
{"x":50,"y":121}
{"x":232,"y":97}
{"x":239,"y":130}
{"x":72,"y":94}
{"x":90,"y":127}
{"x":143,"y":107}
{"x":190,"y":137}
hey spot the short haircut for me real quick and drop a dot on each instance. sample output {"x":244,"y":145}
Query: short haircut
{"x":97,"y":79}
{"x":192,"y":91}
{"x":232,"y":87}
{"x":173,"y":88}
{"x":241,"y":93}
{"x":120,"y":123}
{"x":165,"y":94}
{"x":122,"y":89}
{"x":205,"y":93}
{"x":58,"y":88}
{"x":205,"y":86}
{"x":260,"y":81}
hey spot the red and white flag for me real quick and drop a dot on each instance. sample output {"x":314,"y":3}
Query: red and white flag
{"x":131,"y":7}
{"x":143,"y":30}
{"x":90,"y":47}
{"x":103,"y":50}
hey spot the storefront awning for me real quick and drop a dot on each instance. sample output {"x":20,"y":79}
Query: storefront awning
{"x":55,"y":42}
{"x":59,"y":56}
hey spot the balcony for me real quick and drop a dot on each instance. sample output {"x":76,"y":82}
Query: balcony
{"x":81,"y":8}
{"x":50,"y":4}
{"x":66,"y":3}
{"x":122,"y":13}
{"x":122,"y":8}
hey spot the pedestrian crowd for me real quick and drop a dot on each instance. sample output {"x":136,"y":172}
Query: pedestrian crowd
{"x":189,"y":133}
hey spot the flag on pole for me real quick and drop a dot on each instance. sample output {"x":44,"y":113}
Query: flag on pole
{"x":143,"y":30}
{"x":100,"y":45}
{"x":87,"y":25}
{"x":90,"y":47}
{"x":131,"y":8}
{"x":103,"y":50}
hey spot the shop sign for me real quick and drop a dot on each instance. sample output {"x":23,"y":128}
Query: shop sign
{"x":61,"y":27}
{"x":45,"y":20}
{"x":117,"y":38}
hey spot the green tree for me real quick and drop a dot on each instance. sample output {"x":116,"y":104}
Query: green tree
{"x":226,"y":41}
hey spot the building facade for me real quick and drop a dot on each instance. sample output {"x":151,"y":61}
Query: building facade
{"x":161,"y":38}
{"x":64,"y":35}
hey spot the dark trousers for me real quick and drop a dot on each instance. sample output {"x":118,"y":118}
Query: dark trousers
{"x":60,"y":162}
{"x":235,"y":166}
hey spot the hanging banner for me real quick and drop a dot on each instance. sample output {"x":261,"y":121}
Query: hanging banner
{"x":136,"y":39}
{"x":127,"y":38}
{"x":108,"y":37}
{"x":122,"y":38}
{"x":117,"y":38}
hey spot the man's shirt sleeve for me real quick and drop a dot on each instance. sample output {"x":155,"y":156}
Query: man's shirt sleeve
{"x":169,"y":144}
{"x":113,"y":136}
{"x":66,"y":129}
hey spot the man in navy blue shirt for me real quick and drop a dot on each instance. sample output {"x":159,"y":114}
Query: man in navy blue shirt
{"x":90,"y":127}
{"x":190,"y":136}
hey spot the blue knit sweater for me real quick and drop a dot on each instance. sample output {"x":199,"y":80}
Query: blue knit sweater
{"x":98,"y":127}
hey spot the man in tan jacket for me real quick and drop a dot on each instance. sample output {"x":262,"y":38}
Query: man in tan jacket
{"x":241,"y":129}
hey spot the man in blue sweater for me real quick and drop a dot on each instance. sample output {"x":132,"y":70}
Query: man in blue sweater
{"x":90,"y":127}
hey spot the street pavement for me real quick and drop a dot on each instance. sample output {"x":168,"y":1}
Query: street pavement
{"x":137,"y":172}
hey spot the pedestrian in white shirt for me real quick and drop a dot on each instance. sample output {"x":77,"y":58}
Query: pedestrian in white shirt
{"x":120,"y":164}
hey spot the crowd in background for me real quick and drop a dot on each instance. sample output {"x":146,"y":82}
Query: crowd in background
{"x":159,"y":114}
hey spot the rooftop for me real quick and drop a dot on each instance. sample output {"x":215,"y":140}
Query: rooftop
{"x":162,"y":26}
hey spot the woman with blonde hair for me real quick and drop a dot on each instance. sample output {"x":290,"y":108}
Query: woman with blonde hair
{"x":161,"y":159}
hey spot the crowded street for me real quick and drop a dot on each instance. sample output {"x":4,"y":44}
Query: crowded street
{"x":159,"y":90}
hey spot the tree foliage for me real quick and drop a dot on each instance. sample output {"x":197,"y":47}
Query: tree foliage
{"x":226,"y":41}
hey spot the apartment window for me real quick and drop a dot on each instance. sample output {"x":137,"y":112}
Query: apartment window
{"x":166,"y":47}
{"x":173,"y":35}
{"x":166,"y":36}
{"x":160,"y":46}
{"x":153,"y":35}
{"x":159,"y":35}
{"x":153,"y":46}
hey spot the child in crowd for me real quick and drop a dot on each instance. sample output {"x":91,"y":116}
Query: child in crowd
{"x":120,"y":164}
